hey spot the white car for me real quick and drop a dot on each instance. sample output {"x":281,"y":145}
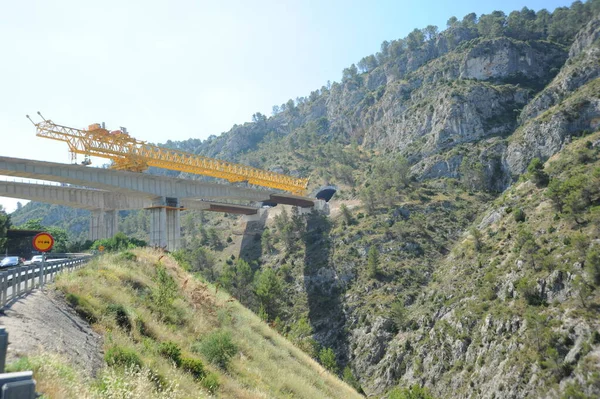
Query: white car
{"x":35,"y":259}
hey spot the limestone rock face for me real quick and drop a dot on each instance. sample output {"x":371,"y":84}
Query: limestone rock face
{"x":569,"y":105}
{"x":544,"y":136}
{"x":582,"y":66}
{"x":503,"y":57}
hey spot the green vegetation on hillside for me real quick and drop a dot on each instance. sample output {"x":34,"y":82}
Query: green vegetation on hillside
{"x":536,"y":265}
{"x":174,"y":337}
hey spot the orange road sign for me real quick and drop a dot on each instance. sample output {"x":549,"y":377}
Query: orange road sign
{"x":101,"y":248}
{"x":43,"y":242}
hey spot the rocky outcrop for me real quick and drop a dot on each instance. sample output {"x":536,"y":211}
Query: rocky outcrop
{"x":460,"y":113}
{"x":545,"y":135}
{"x":504,"y":58}
{"x":582,"y":66}
{"x":570,"y":105}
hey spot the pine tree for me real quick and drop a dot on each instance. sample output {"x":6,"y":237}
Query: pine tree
{"x":373,"y":262}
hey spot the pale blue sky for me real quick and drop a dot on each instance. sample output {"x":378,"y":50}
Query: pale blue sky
{"x":184,"y":69}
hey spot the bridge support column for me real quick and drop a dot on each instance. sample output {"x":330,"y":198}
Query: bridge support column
{"x":103,"y":224}
{"x":111,"y":223}
{"x":97,"y":226}
{"x":165,"y":224}
{"x":173,"y":229}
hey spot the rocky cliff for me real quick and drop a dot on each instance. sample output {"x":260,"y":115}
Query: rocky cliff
{"x":457,"y":89}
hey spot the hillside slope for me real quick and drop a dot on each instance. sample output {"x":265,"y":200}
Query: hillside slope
{"x":467,"y":299}
{"x":513,"y":310}
{"x":187,"y":340}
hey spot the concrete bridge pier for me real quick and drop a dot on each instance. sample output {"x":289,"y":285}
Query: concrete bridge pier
{"x":111,"y":219}
{"x":173,"y":229}
{"x":103,"y":224}
{"x":165,"y":223}
{"x":96,"y":225}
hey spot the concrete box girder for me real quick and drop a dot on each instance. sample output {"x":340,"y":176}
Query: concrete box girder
{"x":74,"y":197}
{"x":126,"y":182}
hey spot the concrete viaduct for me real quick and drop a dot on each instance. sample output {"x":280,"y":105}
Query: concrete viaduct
{"x":105,"y":191}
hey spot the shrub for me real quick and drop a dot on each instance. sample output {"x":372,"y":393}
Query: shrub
{"x":301,"y":334}
{"x":398,"y":315}
{"x":218,"y":348}
{"x":414,"y":392}
{"x":327,"y":359}
{"x":142,"y":328}
{"x":211,"y":382}
{"x":119,"y":242}
{"x":170,"y":350}
{"x":193,"y":366}
{"x":120,"y":314}
{"x":127,"y":255}
{"x":350,"y":379}
{"x":519,"y":215}
{"x":119,"y":356}
{"x":166,"y":290}
{"x":83,"y":307}
{"x":592,"y":264}
{"x":537,"y":174}
{"x":529,"y":291}
{"x":373,"y":262}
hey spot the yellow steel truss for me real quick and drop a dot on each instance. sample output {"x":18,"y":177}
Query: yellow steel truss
{"x":127,"y":153}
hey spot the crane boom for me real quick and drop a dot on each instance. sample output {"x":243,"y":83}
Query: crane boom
{"x":127,"y":153}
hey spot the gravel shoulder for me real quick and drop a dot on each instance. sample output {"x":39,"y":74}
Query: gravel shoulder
{"x":42,"y":322}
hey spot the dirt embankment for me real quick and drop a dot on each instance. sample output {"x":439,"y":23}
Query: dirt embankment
{"x":43,"y":322}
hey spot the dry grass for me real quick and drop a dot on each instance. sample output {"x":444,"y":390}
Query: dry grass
{"x":56,"y":379}
{"x":266,"y":365}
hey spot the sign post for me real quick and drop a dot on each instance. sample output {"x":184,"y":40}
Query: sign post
{"x":43,"y":242}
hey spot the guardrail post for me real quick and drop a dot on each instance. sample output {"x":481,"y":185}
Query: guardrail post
{"x":17,"y":385}
{"x":3,"y":348}
{"x":42,"y":270}
{"x":12,"y":286}
{"x":4,"y":288}
{"x":17,"y":282}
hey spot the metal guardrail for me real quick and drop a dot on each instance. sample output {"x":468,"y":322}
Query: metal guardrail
{"x":23,"y":279}
{"x":14,"y":283}
{"x":18,"y":385}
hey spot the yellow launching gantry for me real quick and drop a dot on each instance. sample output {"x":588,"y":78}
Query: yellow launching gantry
{"x":130,"y":154}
